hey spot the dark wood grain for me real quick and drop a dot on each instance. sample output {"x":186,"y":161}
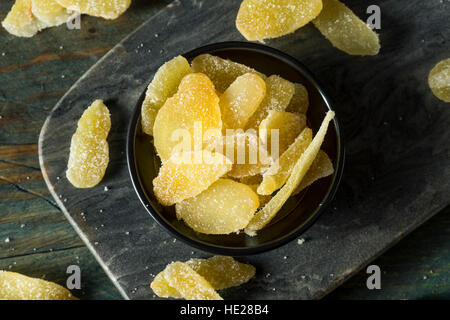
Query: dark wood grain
{"x":398,"y":164}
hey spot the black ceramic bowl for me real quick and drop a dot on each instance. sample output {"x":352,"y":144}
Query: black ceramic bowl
{"x":297,"y":214}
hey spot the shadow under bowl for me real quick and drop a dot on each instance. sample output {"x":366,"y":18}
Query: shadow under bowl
{"x":298,"y":213}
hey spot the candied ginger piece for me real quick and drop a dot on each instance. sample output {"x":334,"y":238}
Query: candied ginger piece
{"x":244,"y":149}
{"x":15,"y":286}
{"x":241,"y":99}
{"x":186,"y":175}
{"x":162,"y":288}
{"x":20,"y":20}
{"x":220,"y":271}
{"x":189,"y":284}
{"x":300,"y":100}
{"x":89,"y":150}
{"x":439,"y":80}
{"x":288,"y":124}
{"x":95,"y":121}
{"x":279,"y":93}
{"x":49,"y":12}
{"x":261,"y":19}
{"x":163,"y":86}
{"x":301,"y":167}
{"x":108,"y":9}
{"x":345,"y":30}
{"x":275,"y":177}
{"x":222,"y":72}
{"x":320,"y":168}
{"x":193,"y":109}
{"x":225,"y":207}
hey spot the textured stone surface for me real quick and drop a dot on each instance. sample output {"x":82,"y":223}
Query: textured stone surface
{"x":397,"y":169}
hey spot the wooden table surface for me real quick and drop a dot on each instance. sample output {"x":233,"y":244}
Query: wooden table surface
{"x":36,"y":239}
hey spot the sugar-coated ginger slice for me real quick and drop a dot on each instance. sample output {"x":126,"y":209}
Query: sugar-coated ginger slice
{"x":108,"y":9}
{"x":439,"y":80}
{"x":20,"y":20}
{"x":164,"y":85}
{"x":15,"y":286}
{"x":279,"y":93}
{"x":89,"y":150}
{"x":188,"y":118}
{"x":276,"y":176}
{"x":186,"y":175}
{"x":50,"y":12}
{"x":189,"y":284}
{"x":300,"y":100}
{"x":162,"y":288}
{"x":221,"y":272}
{"x":288,"y":126}
{"x":226,"y":206}
{"x":95,"y":121}
{"x":245,"y":150}
{"x":345,"y":30}
{"x":261,"y":19}
{"x":241,"y":99}
{"x":222,"y":72}
{"x":320,"y":168}
{"x":268,"y":212}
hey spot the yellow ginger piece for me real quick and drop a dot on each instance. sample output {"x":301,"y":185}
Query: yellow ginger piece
{"x":15,"y":286}
{"x":345,"y":30}
{"x":188,"y":283}
{"x":300,"y":100}
{"x":163,"y":86}
{"x":241,"y":99}
{"x":108,"y":9}
{"x":162,"y":288}
{"x":223,"y":272}
{"x":186,"y":175}
{"x":193,"y":113}
{"x":20,"y":21}
{"x":321,"y":167}
{"x":244,"y":149}
{"x":222,"y":72}
{"x":220,"y":271}
{"x":261,"y":19}
{"x":288,"y":125}
{"x":268,"y":212}
{"x":439,"y":80}
{"x":225,"y":207}
{"x":279,"y":93}
{"x":49,"y":12}
{"x":276,"y":176}
{"x":89,"y":150}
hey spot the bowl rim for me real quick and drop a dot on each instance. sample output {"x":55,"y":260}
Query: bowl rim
{"x":226,"y":250}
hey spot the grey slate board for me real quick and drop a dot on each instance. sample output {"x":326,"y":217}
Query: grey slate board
{"x":397,"y":172}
